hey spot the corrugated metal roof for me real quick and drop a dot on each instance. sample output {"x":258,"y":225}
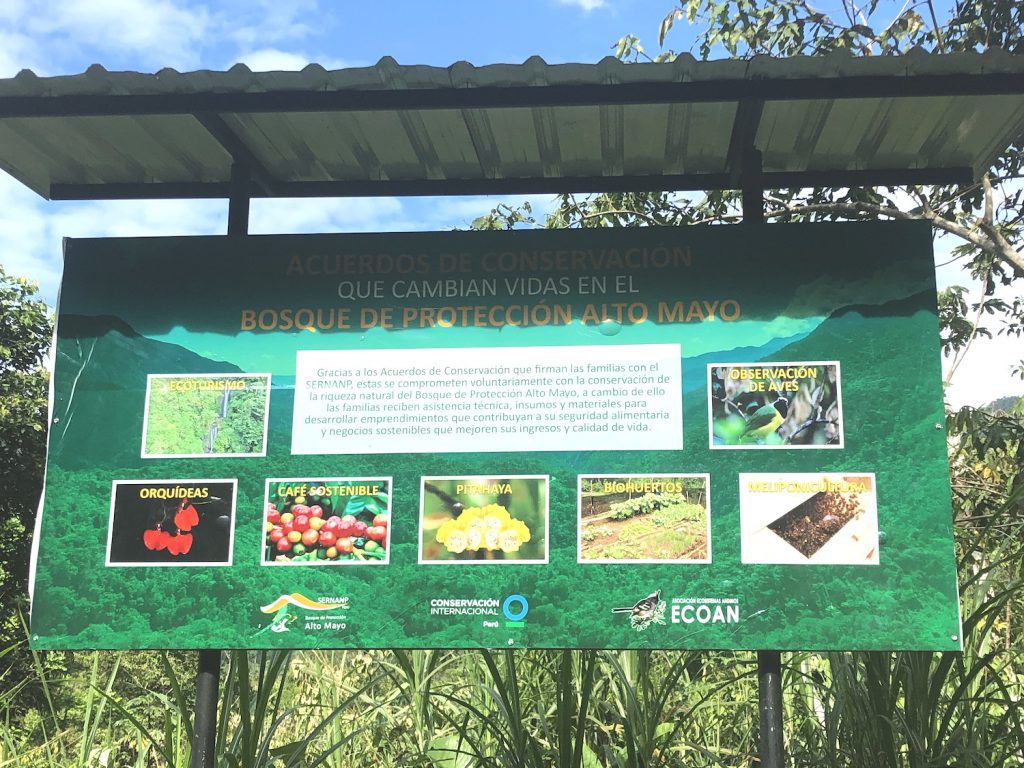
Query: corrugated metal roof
{"x":392,"y":129}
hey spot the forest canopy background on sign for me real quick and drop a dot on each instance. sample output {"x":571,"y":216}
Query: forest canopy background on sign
{"x":970,"y":701}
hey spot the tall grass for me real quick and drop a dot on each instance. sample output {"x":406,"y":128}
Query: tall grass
{"x":50,"y":737}
{"x":522,"y":709}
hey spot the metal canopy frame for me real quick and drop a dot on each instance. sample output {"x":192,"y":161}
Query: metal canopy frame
{"x":260,"y":187}
{"x":209,"y":107}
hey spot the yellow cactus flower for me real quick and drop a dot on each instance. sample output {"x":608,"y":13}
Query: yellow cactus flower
{"x":521,"y":530}
{"x":456,"y":541}
{"x":490,"y":527}
{"x":508,"y":540}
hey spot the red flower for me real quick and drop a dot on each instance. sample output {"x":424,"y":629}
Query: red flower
{"x":180,"y":544}
{"x":156,"y":539}
{"x":186,"y":518}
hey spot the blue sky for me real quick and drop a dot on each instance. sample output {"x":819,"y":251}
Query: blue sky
{"x":147,"y":35}
{"x":150,"y":34}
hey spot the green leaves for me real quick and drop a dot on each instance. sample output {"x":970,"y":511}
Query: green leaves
{"x":504,"y":217}
{"x":744,"y":28}
{"x":642,"y":505}
{"x":26,"y":327}
{"x":670,"y":20}
{"x":375,"y":504}
{"x":447,"y":752}
{"x":629,"y":49}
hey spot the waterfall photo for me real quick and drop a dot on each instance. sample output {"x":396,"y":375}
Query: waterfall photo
{"x":202,"y":415}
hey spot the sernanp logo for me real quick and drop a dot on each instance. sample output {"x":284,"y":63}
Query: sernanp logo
{"x":282,"y":609}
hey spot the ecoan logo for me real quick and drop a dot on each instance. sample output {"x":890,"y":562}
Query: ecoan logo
{"x":705,"y":611}
{"x":515,"y":608}
{"x":643,"y":613}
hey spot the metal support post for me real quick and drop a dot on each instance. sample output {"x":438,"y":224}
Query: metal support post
{"x":769,"y":663}
{"x":204,"y":736}
{"x":769,"y":701}
{"x":238,"y":203}
{"x":752,"y":184}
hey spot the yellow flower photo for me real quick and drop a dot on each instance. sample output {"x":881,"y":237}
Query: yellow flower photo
{"x":484,"y":519}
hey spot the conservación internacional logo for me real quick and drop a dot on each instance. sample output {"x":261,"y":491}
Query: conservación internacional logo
{"x":513,"y":609}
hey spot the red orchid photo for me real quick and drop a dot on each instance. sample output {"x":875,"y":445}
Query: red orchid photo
{"x":171,"y":522}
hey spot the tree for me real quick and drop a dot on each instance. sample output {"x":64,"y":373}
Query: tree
{"x":987,"y":217}
{"x":25,"y":333}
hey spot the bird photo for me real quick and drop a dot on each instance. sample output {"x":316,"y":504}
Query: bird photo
{"x":775,"y":405}
{"x":650,"y":610}
{"x":764,"y":421}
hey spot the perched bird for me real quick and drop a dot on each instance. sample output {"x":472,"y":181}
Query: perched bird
{"x":644,"y":609}
{"x":762,"y":423}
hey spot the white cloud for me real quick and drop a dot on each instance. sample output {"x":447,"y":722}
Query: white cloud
{"x":273,"y":60}
{"x":31,"y":229}
{"x":156,"y":32}
{"x":380,"y":214}
{"x":267,"y":22}
{"x":459,"y":212}
{"x":586,"y":5}
{"x":152,"y":34}
{"x":17,"y":52}
{"x":361,"y":214}
{"x":140,"y":218}
{"x":11,"y":10}
{"x":276,"y":60}
{"x":26,"y":249}
{"x":986,"y":372}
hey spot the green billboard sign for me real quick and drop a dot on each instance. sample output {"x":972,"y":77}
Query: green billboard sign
{"x":725,"y":437}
